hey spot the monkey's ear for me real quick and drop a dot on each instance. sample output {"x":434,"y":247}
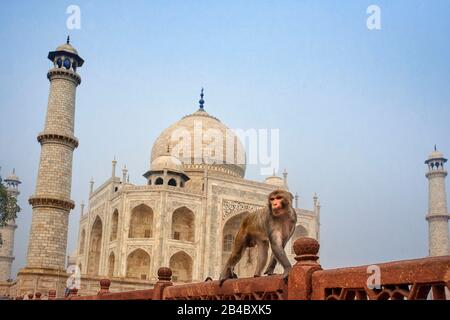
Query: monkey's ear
{"x":292,"y":196}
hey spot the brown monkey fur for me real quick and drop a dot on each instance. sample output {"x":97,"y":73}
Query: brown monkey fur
{"x":274,"y":225}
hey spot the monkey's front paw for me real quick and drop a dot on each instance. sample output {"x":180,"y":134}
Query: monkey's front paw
{"x":286,"y":274}
{"x":221,"y":281}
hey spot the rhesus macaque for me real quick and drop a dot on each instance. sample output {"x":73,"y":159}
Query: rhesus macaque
{"x":273,"y":224}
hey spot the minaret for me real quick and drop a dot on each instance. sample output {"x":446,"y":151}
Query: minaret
{"x":114,"y":163}
{"x":91,"y":185}
{"x":437,"y":217}
{"x":51,"y":201}
{"x":285,"y":174}
{"x":124,"y":174}
{"x":7,"y":248}
{"x":317,"y":212}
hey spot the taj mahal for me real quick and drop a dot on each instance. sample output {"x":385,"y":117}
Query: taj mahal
{"x":184,"y":215}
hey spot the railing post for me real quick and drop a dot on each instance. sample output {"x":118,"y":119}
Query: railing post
{"x":300,"y":277}
{"x":37,"y":296}
{"x":104,"y":286}
{"x":51,"y":294}
{"x":72,"y":293}
{"x":164,"y":280}
{"x":30,"y":296}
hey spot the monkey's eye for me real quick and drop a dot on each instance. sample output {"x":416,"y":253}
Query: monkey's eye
{"x":279,"y":197}
{"x":271,"y":199}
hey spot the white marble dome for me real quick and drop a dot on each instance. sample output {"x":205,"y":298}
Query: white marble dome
{"x":179,"y":138}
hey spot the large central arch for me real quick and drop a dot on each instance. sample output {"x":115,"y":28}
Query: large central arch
{"x":247,"y":265}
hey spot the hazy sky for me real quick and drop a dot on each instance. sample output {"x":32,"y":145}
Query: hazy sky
{"x":358,"y":110}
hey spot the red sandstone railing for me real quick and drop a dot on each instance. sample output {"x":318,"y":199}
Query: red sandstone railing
{"x":427,"y":278}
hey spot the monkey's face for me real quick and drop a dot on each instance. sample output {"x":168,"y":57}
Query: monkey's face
{"x":278,"y":201}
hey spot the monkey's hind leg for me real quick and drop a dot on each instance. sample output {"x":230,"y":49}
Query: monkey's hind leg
{"x":236,"y":254}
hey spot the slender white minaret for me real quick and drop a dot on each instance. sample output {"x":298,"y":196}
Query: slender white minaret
{"x":7,"y":231}
{"x":317,"y":212}
{"x":124,"y":174}
{"x":114,"y":163}
{"x":437,"y":217}
{"x":51,"y":201}
{"x":91,"y":185}
{"x":285,"y":174}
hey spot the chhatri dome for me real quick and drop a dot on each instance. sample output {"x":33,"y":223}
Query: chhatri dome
{"x":167,"y":161}
{"x":201,"y":141}
{"x":275,"y":181}
{"x":436,"y":155}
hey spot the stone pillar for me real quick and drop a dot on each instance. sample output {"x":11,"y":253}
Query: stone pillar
{"x":437,"y":216}
{"x":164,"y":281}
{"x":51,"y":201}
{"x":300,"y":277}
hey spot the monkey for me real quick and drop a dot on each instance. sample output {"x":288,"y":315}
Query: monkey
{"x":272,"y":225}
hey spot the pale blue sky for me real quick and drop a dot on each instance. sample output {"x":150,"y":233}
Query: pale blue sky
{"x":358,"y":110}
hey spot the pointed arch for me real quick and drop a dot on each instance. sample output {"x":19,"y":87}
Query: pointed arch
{"x":138,"y":265}
{"x":183,"y":224}
{"x":141,"y":222}
{"x":82,"y":241}
{"x":114,"y":225}
{"x":95,"y":247}
{"x":111,"y":264}
{"x":181,"y":265}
